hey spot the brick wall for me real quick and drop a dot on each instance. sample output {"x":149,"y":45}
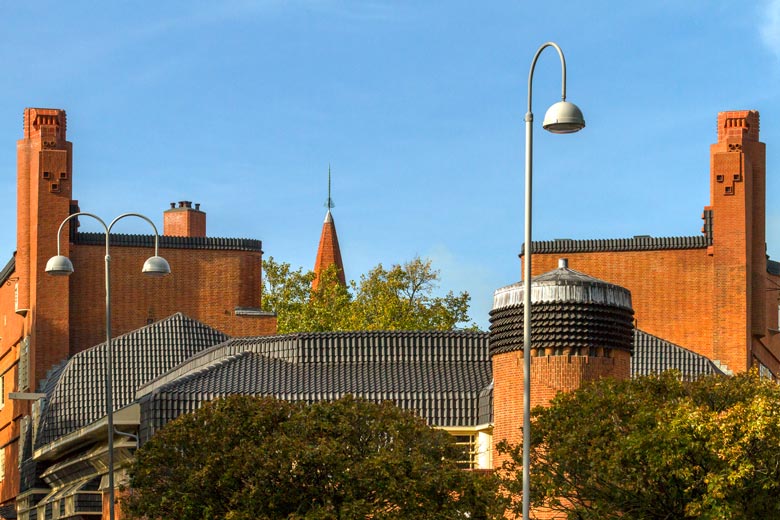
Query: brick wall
{"x":549,"y":375}
{"x":206,"y":285}
{"x":671,"y":290}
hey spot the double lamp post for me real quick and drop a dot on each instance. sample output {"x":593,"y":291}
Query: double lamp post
{"x":154,"y":266}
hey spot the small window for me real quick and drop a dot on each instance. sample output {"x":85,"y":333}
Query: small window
{"x":54,"y":187}
{"x":2,"y":464}
{"x":63,"y":175}
{"x":737,"y":177}
{"x":468,"y":444}
{"x":719,"y":178}
{"x":47,"y":175}
{"x":729,"y":190}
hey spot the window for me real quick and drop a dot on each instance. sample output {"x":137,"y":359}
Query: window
{"x":468,"y":443}
{"x":2,"y":464}
{"x":2,"y":390}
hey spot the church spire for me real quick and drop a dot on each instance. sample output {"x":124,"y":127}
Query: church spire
{"x":328,"y":252}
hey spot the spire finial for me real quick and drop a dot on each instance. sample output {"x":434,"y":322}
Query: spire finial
{"x":329,"y":203}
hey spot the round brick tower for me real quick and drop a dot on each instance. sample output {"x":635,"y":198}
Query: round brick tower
{"x":582,"y":329}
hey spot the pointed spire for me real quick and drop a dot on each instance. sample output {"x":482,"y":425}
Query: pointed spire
{"x":328,"y":252}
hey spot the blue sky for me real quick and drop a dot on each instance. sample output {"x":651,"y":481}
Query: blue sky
{"x":240,"y":105}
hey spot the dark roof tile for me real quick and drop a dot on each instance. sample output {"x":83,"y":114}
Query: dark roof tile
{"x":76,"y":391}
{"x":653,"y":355}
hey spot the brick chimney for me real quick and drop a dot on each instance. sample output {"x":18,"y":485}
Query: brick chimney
{"x":184,"y":220}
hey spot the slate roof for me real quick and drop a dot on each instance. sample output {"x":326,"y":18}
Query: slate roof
{"x":76,"y":392}
{"x":773,"y":267}
{"x":653,"y":355}
{"x":438,"y":374}
{"x":119,"y":239}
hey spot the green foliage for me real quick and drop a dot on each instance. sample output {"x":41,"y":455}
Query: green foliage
{"x":243,"y":458}
{"x":398,"y":298}
{"x":656,"y":447}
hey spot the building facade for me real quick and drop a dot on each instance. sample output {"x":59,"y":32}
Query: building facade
{"x":46,"y":320}
{"x":716,"y":293}
{"x":625,"y":307}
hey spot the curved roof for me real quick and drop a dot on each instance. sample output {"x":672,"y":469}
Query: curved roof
{"x":437,"y":374}
{"x":564,"y":285}
{"x":76,"y":392}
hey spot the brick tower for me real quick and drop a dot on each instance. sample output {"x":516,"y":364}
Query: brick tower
{"x":44,"y":168}
{"x":582,"y":330}
{"x":328,"y":252}
{"x":737,"y":203}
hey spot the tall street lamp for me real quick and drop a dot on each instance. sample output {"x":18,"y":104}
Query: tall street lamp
{"x":561,"y":118}
{"x":155,"y":266}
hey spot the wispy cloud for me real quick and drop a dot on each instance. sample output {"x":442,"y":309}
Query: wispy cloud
{"x":770,"y":26}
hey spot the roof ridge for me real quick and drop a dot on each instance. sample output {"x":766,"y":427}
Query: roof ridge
{"x":636,"y":243}
{"x":169,"y":242}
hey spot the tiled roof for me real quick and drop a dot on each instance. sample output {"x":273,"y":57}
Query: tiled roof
{"x":637,"y":243}
{"x":653,"y":355}
{"x":437,"y":374}
{"x":773,"y":267}
{"x":9,"y":268}
{"x":238,"y":244}
{"x":76,"y":393}
{"x":560,"y":325}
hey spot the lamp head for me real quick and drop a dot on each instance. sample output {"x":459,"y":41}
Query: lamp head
{"x":59,"y":265}
{"x":563,"y":118}
{"x":156,"y":266}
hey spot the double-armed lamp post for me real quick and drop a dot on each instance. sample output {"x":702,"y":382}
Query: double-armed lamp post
{"x":154,"y":266}
{"x":561,"y":118}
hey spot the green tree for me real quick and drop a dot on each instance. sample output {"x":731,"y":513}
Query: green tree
{"x":298,"y":307}
{"x":656,"y":447}
{"x":398,"y":298}
{"x":243,"y":458}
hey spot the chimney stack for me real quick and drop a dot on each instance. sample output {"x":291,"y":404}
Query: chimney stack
{"x":184,"y":221}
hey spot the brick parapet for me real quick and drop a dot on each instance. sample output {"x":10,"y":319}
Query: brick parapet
{"x":207,"y":285}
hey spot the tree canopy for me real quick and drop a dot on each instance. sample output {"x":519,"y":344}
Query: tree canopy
{"x":399,"y":298}
{"x":243,"y":458}
{"x":656,"y":447}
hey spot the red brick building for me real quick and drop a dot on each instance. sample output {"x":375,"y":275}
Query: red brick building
{"x":718,"y":293}
{"x":715,"y":295}
{"x":47,"y":319}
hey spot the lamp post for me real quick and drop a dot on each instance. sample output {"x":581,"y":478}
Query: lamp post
{"x":154,"y":266}
{"x":561,"y":118}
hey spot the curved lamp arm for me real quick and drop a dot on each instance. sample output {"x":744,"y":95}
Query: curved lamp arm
{"x":81,"y":214}
{"x":533,"y":66}
{"x":123,"y":215}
